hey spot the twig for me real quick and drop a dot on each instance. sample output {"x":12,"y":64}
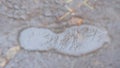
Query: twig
{"x":62,"y":17}
{"x":85,"y":2}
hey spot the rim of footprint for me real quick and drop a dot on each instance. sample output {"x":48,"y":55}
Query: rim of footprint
{"x":76,"y":40}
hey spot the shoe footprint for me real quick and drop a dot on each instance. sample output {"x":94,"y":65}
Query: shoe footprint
{"x":75,"y":40}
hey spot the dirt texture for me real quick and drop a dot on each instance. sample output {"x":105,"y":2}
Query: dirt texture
{"x":57,"y":16}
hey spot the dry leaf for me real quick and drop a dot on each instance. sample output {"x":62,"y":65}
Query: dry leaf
{"x":12,"y":52}
{"x":3,"y":62}
{"x":76,"y":21}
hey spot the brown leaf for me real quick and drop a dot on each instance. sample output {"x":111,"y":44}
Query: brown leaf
{"x":12,"y":52}
{"x":3,"y":62}
{"x":76,"y":21}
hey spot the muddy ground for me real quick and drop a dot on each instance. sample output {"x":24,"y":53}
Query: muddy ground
{"x":16,"y":15}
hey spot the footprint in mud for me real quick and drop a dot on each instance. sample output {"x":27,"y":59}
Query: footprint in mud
{"x":76,"y":40}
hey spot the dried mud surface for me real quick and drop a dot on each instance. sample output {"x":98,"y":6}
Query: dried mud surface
{"x":16,"y":15}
